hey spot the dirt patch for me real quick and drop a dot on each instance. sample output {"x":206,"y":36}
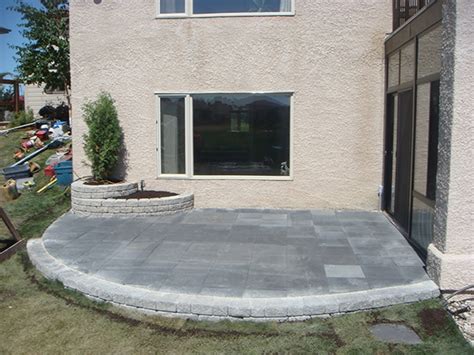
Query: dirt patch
{"x":433,"y":320}
{"x":148,"y":194}
{"x":333,"y":336}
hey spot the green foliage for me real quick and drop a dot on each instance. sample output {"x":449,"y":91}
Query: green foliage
{"x":22,"y":117}
{"x":102,"y":143}
{"x":44,"y":58}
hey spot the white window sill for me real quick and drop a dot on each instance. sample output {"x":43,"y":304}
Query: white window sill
{"x":226,"y":177}
{"x":239,"y":14}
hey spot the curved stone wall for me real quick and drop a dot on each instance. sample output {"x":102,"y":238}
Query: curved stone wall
{"x":101,"y":200}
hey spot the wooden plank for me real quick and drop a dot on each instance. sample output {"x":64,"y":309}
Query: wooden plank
{"x":9,"y":224}
{"x":7,"y":253}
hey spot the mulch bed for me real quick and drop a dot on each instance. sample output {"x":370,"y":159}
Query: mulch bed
{"x":148,"y":194}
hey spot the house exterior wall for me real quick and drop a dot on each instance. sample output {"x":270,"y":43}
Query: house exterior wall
{"x":451,"y":255}
{"x":36,"y":98}
{"x":330,"y":54}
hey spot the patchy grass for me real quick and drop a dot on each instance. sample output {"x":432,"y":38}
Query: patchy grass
{"x":39,"y":316}
{"x":31,"y":213}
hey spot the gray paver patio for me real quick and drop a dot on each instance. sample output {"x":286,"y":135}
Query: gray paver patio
{"x":240,"y":253}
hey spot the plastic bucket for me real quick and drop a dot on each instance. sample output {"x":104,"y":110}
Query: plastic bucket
{"x":63,"y":172}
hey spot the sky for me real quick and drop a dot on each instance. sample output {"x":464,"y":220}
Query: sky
{"x":10,"y":20}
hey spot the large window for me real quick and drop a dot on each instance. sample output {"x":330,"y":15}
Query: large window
{"x":220,"y":7}
{"x":225,"y":135}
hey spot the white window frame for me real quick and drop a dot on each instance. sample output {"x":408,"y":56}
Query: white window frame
{"x":189,"y":12}
{"x":189,"y":144}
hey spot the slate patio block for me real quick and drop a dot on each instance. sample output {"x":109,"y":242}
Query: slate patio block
{"x":146,"y":278}
{"x":338,"y":256}
{"x":339,"y":285}
{"x":226,"y":279}
{"x":374,"y":260}
{"x":261,"y":254}
{"x":376,"y":283}
{"x":382,"y":272}
{"x":413,"y":273}
{"x":339,"y":242}
{"x":408,"y":261}
{"x":344,"y":271}
{"x":317,"y":286}
{"x":261,"y":281}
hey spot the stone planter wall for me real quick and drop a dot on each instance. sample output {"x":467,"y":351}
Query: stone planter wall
{"x":100,"y":200}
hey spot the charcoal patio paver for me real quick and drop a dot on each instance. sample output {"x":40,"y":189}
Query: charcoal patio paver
{"x":239,"y":253}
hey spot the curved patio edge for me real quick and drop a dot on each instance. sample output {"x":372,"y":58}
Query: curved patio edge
{"x":217,"y":308}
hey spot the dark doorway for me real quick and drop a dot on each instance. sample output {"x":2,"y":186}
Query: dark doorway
{"x":399,"y":157}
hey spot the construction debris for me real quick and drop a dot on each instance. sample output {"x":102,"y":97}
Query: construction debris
{"x":58,"y":166}
{"x":10,"y":191}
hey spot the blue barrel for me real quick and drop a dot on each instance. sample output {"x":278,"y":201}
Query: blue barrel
{"x":63,"y":172}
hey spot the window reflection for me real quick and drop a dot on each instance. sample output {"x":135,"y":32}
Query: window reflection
{"x":393,"y":69}
{"x":429,"y":53}
{"x":240,"y":6}
{"x":172,"y":127}
{"x":407,"y":63}
{"x":241,"y":134}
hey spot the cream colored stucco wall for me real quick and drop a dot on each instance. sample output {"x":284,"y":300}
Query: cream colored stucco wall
{"x":330,"y":54}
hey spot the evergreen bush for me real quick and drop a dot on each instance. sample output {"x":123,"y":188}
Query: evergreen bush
{"x":102,"y":143}
{"x":22,"y":117}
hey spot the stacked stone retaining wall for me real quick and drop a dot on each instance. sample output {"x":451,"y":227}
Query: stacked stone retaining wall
{"x":102,"y":200}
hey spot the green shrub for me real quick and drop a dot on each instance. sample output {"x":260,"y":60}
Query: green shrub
{"x":22,"y":117}
{"x":102,"y":143}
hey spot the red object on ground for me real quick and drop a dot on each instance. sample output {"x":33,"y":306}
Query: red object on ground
{"x":49,"y":171}
{"x":42,"y":134}
{"x":27,"y":144}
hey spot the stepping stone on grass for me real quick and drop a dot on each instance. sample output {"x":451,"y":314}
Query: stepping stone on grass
{"x":395,"y":333}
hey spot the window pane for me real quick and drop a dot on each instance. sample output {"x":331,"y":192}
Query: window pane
{"x":422,"y":138}
{"x":238,"y":6}
{"x":241,"y":134}
{"x":407,"y":63}
{"x":173,"y":152}
{"x":422,"y":223}
{"x":429,"y":53}
{"x":394,"y":153}
{"x":393,"y":69}
{"x":426,"y":139}
{"x":172,"y":6}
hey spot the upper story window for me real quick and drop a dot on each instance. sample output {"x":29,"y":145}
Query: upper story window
{"x":197,"y":8}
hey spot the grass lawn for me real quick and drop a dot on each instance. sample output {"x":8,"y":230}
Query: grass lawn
{"x":39,"y":316}
{"x":31,"y":213}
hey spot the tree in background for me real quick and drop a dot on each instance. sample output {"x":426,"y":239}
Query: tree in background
{"x":44,"y":58}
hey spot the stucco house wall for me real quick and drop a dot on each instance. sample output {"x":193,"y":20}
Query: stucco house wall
{"x":330,"y":54}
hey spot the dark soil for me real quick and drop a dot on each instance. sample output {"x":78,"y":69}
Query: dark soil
{"x":102,"y":182}
{"x":433,"y":320}
{"x":148,"y":194}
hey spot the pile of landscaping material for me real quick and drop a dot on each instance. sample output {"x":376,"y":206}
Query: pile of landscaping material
{"x":47,"y":135}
